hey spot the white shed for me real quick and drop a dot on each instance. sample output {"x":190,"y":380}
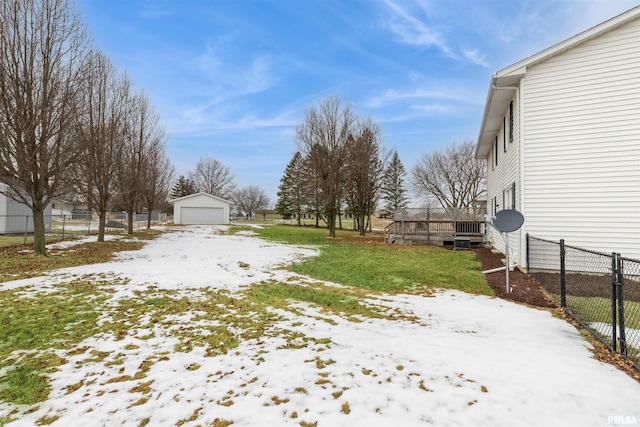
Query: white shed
{"x":200,"y":208}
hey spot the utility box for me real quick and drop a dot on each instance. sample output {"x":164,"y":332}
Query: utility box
{"x":461,"y":243}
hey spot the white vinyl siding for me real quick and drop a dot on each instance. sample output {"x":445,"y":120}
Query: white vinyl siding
{"x":502,"y":177}
{"x":582,"y":148}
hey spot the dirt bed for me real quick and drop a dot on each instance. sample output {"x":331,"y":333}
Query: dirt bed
{"x":524,"y":288}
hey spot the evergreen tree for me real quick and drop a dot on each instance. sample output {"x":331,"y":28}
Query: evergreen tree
{"x":393,"y":190}
{"x":291,"y":191}
{"x":183,"y":187}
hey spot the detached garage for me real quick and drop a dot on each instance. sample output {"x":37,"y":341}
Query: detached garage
{"x":200,"y":208}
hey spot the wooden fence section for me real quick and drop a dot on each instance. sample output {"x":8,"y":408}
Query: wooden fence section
{"x":436,"y":225}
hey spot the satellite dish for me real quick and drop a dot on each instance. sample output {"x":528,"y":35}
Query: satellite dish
{"x":508,"y":220}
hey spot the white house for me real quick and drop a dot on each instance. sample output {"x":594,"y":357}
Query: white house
{"x":16,"y":217}
{"x":561,"y":136}
{"x":200,"y":208}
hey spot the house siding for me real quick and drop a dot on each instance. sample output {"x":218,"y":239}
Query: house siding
{"x":502,"y":177}
{"x":582,"y":147}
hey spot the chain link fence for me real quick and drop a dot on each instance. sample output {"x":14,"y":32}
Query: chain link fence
{"x":600,"y":291}
{"x":66,"y":226}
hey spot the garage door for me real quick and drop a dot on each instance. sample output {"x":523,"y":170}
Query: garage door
{"x":200,"y":215}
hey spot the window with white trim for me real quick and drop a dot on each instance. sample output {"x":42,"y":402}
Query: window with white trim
{"x":509,"y":197}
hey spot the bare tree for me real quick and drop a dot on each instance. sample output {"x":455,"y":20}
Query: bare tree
{"x":101,"y":130}
{"x":42,"y":50}
{"x":214,"y":178}
{"x":158,"y":177}
{"x":453,"y":177}
{"x":363,"y":172}
{"x":144,"y":131}
{"x":249,"y":199}
{"x":323,"y":140}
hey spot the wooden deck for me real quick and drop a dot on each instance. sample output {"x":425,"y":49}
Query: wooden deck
{"x":436,"y":226}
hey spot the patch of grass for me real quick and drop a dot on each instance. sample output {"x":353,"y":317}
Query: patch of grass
{"x":367,"y":263}
{"x":335,"y":300}
{"x":32,"y":325}
{"x":18,"y":262}
{"x":24,"y":385}
{"x":294,"y":235}
{"x":598,"y":309}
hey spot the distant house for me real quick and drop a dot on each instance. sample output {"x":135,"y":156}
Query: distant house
{"x":561,"y":136}
{"x":200,"y":208}
{"x":16,"y":217}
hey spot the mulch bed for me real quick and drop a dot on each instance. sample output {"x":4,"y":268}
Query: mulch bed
{"x":526,"y":289}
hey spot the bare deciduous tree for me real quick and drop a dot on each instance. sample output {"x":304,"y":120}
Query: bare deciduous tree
{"x":42,"y":50}
{"x":249,"y":199}
{"x":101,"y":131}
{"x":144,"y":131}
{"x":214,"y":178}
{"x":323,"y":139}
{"x":453,"y":177}
{"x":158,"y":177}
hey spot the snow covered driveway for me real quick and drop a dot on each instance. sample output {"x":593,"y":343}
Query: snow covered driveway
{"x":461,"y":360}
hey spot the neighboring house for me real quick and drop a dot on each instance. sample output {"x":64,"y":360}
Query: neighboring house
{"x":200,"y":208}
{"x":15,"y":217}
{"x":561,"y":136}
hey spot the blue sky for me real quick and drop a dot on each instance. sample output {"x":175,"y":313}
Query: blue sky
{"x":231,"y":79}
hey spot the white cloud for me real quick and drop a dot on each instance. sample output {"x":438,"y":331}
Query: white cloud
{"x":475,"y":57}
{"x":415,"y":32}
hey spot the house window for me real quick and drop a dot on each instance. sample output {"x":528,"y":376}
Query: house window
{"x":504,"y":134}
{"x":509,"y":197}
{"x":511,"y":121}
{"x":495,"y":150}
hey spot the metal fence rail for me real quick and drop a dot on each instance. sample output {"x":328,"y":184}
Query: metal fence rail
{"x":600,"y":291}
{"x":69,"y":225}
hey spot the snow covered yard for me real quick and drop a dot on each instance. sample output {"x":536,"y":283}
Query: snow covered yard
{"x":181,"y":344}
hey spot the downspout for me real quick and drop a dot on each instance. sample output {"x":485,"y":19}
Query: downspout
{"x":521,"y":231}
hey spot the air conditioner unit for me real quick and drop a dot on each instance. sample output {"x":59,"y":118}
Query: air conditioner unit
{"x":461,"y":243}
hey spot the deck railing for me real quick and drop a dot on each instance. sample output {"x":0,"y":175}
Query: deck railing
{"x":437,"y":223}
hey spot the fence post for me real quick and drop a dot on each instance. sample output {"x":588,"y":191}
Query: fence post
{"x":563,"y":289}
{"x":26,"y":228}
{"x":620,"y":285}
{"x":614,"y":286}
{"x":527,"y":250}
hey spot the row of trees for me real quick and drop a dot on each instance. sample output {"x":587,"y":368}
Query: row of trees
{"x":69,"y":122}
{"x":212,"y":177}
{"x":341,"y":166}
{"x":339,"y":163}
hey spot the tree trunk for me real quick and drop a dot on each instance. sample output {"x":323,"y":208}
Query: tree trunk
{"x":130,"y":214}
{"x":362,"y":228}
{"x":102,"y":224}
{"x":148,"y":219}
{"x":38,"y":232}
{"x":331,"y":221}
